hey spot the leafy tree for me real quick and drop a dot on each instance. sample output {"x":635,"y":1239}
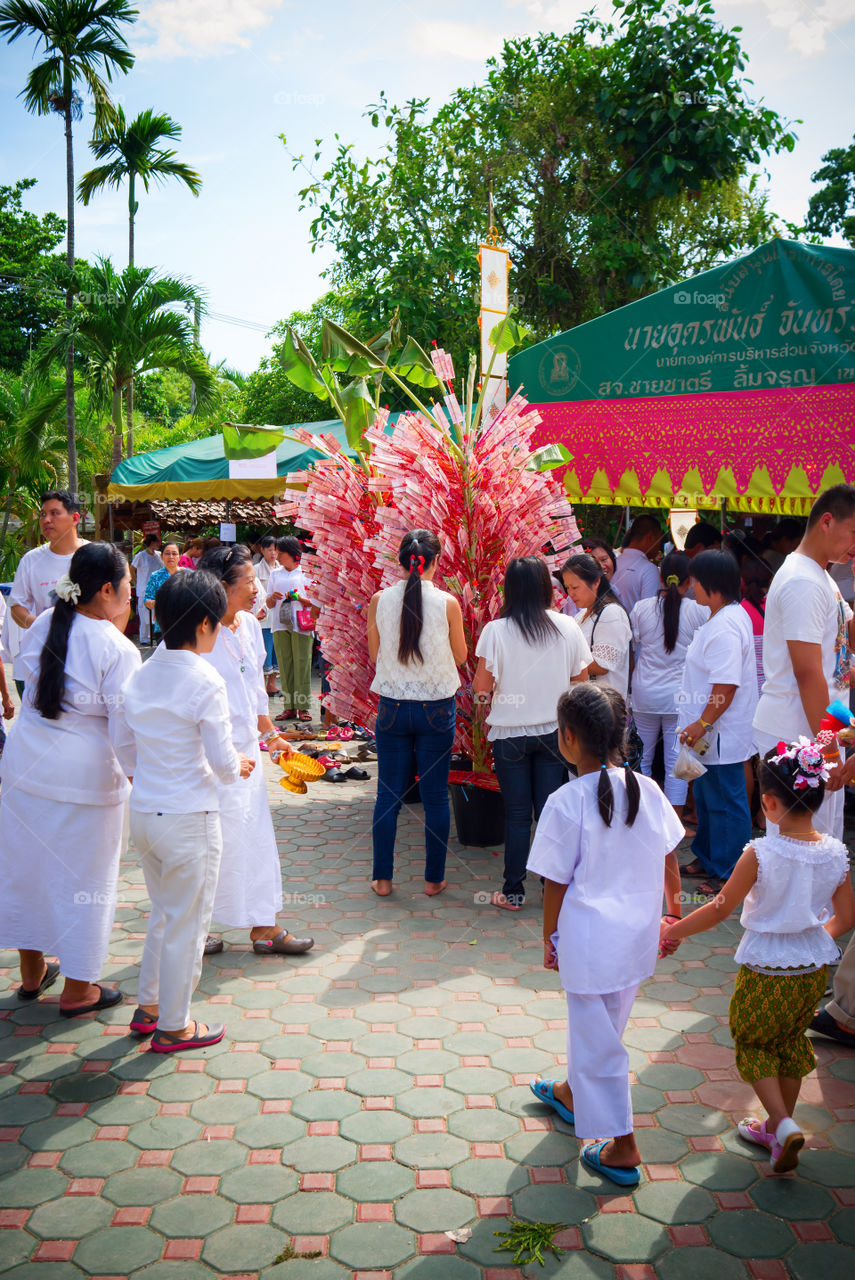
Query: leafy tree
{"x":122,"y":325}
{"x":82,"y":41}
{"x":25,"y":241}
{"x":832,"y":208}
{"x":603,"y":151}
{"x":31,"y":447}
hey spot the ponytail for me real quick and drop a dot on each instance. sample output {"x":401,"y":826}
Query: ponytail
{"x":673,"y":572}
{"x":596,"y":715}
{"x":92,"y":566}
{"x":417,"y":552}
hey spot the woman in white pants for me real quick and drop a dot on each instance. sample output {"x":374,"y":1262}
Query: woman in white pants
{"x":662,"y":628}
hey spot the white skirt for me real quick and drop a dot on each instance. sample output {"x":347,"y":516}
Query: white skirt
{"x":59,"y":866}
{"x":249,"y":890}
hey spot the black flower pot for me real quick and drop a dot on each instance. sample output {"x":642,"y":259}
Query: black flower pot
{"x":479,"y":814}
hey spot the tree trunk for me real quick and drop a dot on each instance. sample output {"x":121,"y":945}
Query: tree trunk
{"x":129,"y":433}
{"x":132,"y":209}
{"x":13,"y":477}
{"x":117,"y":427}
{"x":70,"y":426}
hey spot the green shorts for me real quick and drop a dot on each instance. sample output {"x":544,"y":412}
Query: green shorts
{"x":769,"y":1015}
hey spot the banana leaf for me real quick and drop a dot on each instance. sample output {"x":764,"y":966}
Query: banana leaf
{"x":338,"y":340}
{"x":243,"y":442}
{"x":301,"y":367}
{"x":359,"y":411}
{"x":414,"y":364}
{"x":508,"y":334}
{"x":549,"y":457}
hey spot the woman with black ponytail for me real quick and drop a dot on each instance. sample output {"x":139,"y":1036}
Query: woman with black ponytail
{"x":65,"y":783}
{"x":416,"y":640}
{"x":604,"y":845}
{"x":663,"y":627}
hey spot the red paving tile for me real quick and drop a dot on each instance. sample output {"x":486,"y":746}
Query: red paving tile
{"x":183,"y":1250}
{"x":375,"y":1213}
{"x":131,"y":1215}
{"x":55,"y":1250}
{"x":494,"y":1206}
{"x":436,"y":1243}
{"x":427,"y":1178}
{"x":317,"y":1181}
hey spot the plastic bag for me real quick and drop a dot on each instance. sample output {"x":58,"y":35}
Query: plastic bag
{"x":687,"y":765}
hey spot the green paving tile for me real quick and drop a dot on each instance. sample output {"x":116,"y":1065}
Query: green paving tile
{"x":372,"y":1245}
{"x":198,"y":1217}
{"x":472,"y":1043}
{"x":520,"y":1101}
{"x":554,"y":1202}
{"x":379,"y":1082}
{"x":236,"y":1066}
{"x":325,"y":1104}
{"x":164,"y":1133}
{"x":319,"y":1155}
{"x":98,"y":1159}
{"x":243,"y":1248}
{"x":443,"y":1267}
{"x":259,"y":1184}
{"x":225,"y":1108}
{"x":171,"y":1270}
{"x":124,"y":1109}
{"x":70,"y":1218}
{"x":733,"y":1142}
{"x":293,"y":1046}
{"x":209,"y":1158}
{"x":842,"y":1135}
{"x":542,"y":1148}
{"x":83,"y":1088}
{"x":313,"y":1213}
{"x":426,"y":1062}
{"x":625,"y":1237}
{"x":574,"y":1265}
{"x":793,"y":1199}
{"x":476,"y":1080}
{"x":692,"y":1119}
{"x":433,"y":1029}
{"x":843,"y":1226}
{"x":659,"y":1146}
{"x":645,"y":1100}
{"x":269,"y":1130}
{"x":438,"y":1209}
{"x":280,"y":1084}
{"x":431,"y":1150}
{"x":749,"y":1234}
{"x":375,"y":1126}
{"x":718,"y":1172}
{"x":384,"y":1044}
{"x":305,"y":1269}
{"x":26,"y":1188}
{"x":332,"y":1064}
{"x":58,"y":1133}
{"x":12,"y":1156}
{"x":107,"y":1252}
{"x":700,"y":1264}
{"x":674,"y":1203}
{"x":843,"y":1069}
{"x":376,"y":1182}
{"x":26,"y":1108}
{"x":830,"y":1168}
{"x":519,"y":1060}
{"x":424,"y":1103}
{"x":670,"y":1075}
{"x":146,"y":1186}
{"x":58,"y":1270}
{"x":15,"y":1246}
{"x":483,"y":1124}
{"x":489,"y":1176}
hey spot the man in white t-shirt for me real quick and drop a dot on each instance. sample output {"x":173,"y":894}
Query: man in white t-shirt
{"x":807,"y":641}
{"x":144,"y":564}
{"x":635,"y":577}
{"x":39,"y":569}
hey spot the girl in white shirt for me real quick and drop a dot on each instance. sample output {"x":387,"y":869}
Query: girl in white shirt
{"x":605,"y":845}
{"x":662,"y":628}
{"x":798,"y":898}
{"x":603,"y":619}
{"x":65,"y":783}
{"x":526,"y":659}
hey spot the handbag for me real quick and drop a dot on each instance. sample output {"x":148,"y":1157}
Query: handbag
{"x":305,"y":621}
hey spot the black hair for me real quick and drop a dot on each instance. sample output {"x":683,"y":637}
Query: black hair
{"x":598,"y":544}
{"x":68,"y":500}
{"x":597,"y":716}
{"x":779,"y":780}
{"x":839,"y":501}
{"x":226,"y":562}
{"x":417,"y":552}
{"x":742,"y":546}
{"x":170,"y":542}
{"x":92,"y":566}
{"x":290,"y":546}
{"x":267,"y":541}
{"x":528,"y":598}
{"x":717,"y":571}
{"x":703,"y":534}
{"x":640,"y":528}
{"x":789,"y":527}
{"x":183,"y":603}
{"x":675,"y":565}
{"x":150,"y":538}
{"x":755,"y":576}
{"x":593,"y":575}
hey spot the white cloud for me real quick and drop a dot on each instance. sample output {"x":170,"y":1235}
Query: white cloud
{"x":180,"y":28}
{"x":469,"y":41}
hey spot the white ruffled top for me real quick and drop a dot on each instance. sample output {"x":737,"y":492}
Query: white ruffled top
{"x":784,"y":914}
{"x":434,"y":678}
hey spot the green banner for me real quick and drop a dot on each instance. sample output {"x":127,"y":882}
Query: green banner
{"x":783,"y":316}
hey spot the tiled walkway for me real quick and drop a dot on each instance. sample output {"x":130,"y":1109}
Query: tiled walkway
{"x":373,"y":1095}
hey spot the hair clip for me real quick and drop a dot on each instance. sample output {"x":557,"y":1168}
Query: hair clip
{"x":604,"y":766}
{"x":672,"y":580}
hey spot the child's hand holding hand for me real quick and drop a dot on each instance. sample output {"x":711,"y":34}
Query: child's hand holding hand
{"x":550,"y":955}
{"x":8,"y":708}
{"x":667,"y":944}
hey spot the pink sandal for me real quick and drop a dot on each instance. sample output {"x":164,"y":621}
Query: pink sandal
{"x":755,"y":1131}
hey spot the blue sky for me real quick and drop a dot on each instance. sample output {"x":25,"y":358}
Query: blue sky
{"x":238,"y":73}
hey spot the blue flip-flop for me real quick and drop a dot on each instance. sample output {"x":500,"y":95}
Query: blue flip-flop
{"x":544,"y":1092}
{"x":623,"y":1177}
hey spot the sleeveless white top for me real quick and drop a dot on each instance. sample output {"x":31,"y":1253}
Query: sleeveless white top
{"x":428,"y":681}
{"x":784,"y":913}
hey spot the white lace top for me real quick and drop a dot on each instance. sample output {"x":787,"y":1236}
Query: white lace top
{"x":784,"y":914}
{"x":609,"y":636}
{"x":436,"y":676}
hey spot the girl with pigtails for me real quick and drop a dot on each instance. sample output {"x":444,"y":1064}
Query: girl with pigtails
{"x":416,"y":641}
{"x":604,"y":845}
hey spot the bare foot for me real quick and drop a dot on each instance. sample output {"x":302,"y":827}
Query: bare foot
{"x":622,"y":1155}
{"x":562,"y":1091}
{"x":88,"y":995}
{"x":382,"y":888}
{"x":432,"y":888}
{"x":499,"y":900}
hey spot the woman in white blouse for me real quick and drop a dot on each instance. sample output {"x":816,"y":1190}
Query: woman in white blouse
{"x":603,"y":620}
{"x":416,"y":640}
{"x":662,"y":628}
{"x":526,"y":659}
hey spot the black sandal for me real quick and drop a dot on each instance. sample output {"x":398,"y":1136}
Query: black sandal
{"x":51,"y":975}
{"x":109,"y":997}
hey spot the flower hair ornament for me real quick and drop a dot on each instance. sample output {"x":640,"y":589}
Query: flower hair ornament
{"x":672,"y":580}
{"x":417,"y":562}
{"x":67,"y":590}
{"x":808,"y":760}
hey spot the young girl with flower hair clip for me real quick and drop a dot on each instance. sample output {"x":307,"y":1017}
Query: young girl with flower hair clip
{"x":798,"y":899}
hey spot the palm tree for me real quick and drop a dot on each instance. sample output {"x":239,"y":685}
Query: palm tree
{"x":81,"y":38}
{"x":30,"y":444}
{"x":132,"y":152}
{"x":124,"y":325}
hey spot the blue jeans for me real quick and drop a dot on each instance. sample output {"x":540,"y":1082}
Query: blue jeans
{"x":529,"y":769}
{"x":270,"y":663}
{"x":724,"y":819}
{"x":427,"y":728}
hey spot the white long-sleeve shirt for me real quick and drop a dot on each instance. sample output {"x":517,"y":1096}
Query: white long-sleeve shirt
{"x":177,"y":708}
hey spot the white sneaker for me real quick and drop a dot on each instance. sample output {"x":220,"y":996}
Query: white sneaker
{"x":789,"y":1141}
